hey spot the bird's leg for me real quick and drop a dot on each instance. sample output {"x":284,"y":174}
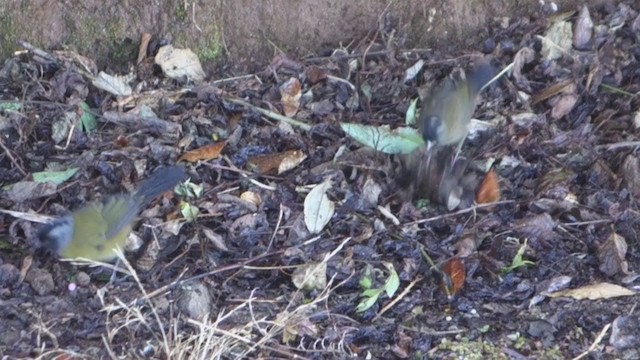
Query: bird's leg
{"x":429,"y":155}
{"x":455,"y":157}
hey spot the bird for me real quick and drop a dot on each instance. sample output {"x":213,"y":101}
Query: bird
{"x":446,"y":111}
{"x":94,"y":231}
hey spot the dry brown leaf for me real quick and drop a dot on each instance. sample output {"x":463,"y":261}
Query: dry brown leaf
{"x":291,"y":159}
{"x":564,"y":105}
{"x":612,"y":254}
{"x":583,"y":30}
{"x":489,"y":190}
{"x":563,"y":87}
{"x":207,"y":152}
{"x":290,"y":93}
{"x":631,"y":173}
{"x":281,"y":162}
{"x":315,"y":74}
{"x":523,"y":57}
{"x":251,"y":197}
{"x":453,"y":272}
{"x":595,"y":292}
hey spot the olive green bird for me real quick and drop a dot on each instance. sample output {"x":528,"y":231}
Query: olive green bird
{"x":95,"y":230}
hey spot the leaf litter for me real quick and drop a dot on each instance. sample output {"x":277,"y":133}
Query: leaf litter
{"x":265,"y":252}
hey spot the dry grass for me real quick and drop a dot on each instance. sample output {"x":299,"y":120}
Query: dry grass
{"x":152,"y":327}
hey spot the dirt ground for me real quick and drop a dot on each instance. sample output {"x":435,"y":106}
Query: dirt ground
{"x":235,"y":264}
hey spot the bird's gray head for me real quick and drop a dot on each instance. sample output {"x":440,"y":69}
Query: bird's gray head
{"x":56,"y":235}
{"x":432,"y":128}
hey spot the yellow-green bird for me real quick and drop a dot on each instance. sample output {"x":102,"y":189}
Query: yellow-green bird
{"x":446,"y":112}
{"x":95,"y":230}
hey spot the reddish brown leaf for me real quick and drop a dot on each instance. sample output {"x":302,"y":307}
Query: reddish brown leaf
{"x":489,"y":190}
{"x":315,"y":74}
{"x":206,"y":152}
{"x":279,"y":162}
{"x":122,"y":141}
{"x":453,"y":273}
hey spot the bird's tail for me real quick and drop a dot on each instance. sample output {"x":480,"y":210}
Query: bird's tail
{"x":160,"y":181}
{"x":479,"y":76}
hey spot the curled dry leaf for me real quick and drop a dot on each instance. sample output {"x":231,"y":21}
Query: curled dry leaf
{"x":539,"y":227}
{"x":523,"y":57}
{"x":563,"y":106}
{"x":29,"y":190}
{"x":583,"y":29}
{"x":311,"y":276}
{"x":207,"y":152}
{"x":179,"y":64}
{"x":315,"y":74}
{"x":251,"y":197}
{"x":453,"y":276}
{"x":489,"y":189}
{"x":557,"y":41}
{"x":595,"y":292}
{"x":612,"y":254}
{"x":291,"y":159}
{"x":216,"y":239}
{"x":318,"y":209}
{"x":281,"y":162}
{"x":467,"y":245}
{"x":631,"y":174}
{"x":290,"y":93}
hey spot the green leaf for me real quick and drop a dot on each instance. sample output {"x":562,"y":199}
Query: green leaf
{"x":10,"y":106}
{"x":189,"y":211}
{"x":403,"y":140}
{"x":518,"y":260}
{"x":366,"y":304}
{"x":56,"y":177}
{"x":88,"y":121}
{"x":371,"y":292}
{"x":366,"y":281}
{"x":410,"y":116}
{"x":393,"y":282}
{"x":189,"y":190}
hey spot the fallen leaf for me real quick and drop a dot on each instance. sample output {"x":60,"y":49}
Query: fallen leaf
{"x":56,"y":177}
{"x":453,"y":276}
{"x":207,"y":152}
{"x":583,"y":30}
{"x":318,"y":209}
{"x":179,"y":63}
{"x":315,"y":74}
{"x":29,"y":190}
{"x":310,"y":276}
{"x":489,"y":189}
{"x":557,"y":41}
{"x":612,"y":254}
{"x":563,"y":106}
{"x":115,"y":85}
{"x":216,"y":239}
{"x":281,"y":162}
{"x":403,"y":140}
{"x":595,"y":292}
{"x":290,"y":93}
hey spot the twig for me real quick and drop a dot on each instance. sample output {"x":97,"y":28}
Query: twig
{"x":13,"y":160}
{"x":618,"y":145}
{"x":222,"y":81}
{"x":592,"y":222}
{"x":459,"y":212}
{"x":596,"y":342}
{"x":397,"y":298}
{"x":271,"y":114}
